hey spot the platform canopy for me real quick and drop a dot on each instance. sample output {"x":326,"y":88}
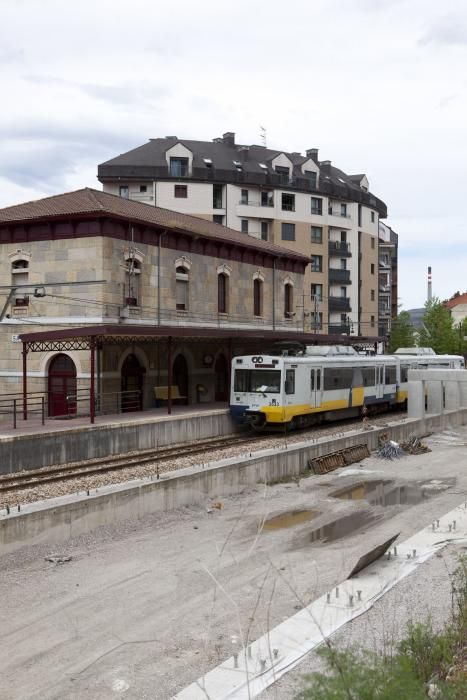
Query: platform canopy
{"x":84,"y":337}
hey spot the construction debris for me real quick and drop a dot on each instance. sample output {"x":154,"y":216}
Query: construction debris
{"x":58,"y":558}
{"x":390,"y":450}
{"x":414,"y":446}
{"x":341,"y":458}
{"x":393,"y":450}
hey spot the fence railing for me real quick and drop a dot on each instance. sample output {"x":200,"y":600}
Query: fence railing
{"x":75,"y":405}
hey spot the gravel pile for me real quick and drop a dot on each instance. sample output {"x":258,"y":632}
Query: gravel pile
{"x":149,"y":471}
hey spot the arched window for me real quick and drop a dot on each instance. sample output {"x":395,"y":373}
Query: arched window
{"x":133,"y":267}
{"x":182,"y":289}
{"x":222,"y":293}
{"x":288,"y":300}
{"x":257,"y":297}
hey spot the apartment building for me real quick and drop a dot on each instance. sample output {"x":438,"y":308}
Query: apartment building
{"x":387,"y":278}
{"x":288,"y":199}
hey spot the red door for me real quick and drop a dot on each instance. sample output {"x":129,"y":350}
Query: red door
{"x":62,"y":386}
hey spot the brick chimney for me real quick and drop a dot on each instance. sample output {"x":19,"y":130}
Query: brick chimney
{"x":313,"y":154}
{"x":229,"y":138}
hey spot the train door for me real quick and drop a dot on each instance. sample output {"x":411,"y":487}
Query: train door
{"x":379,"y":381}
{"x":315,"y":387}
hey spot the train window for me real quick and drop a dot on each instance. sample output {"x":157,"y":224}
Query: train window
{"x":258,"y":381}
{"x":312,"y":380}
{"x":241,"y":380}
{"x":404,"y":370}
{"x":390,"y":375}
{"x":290,"y":381}
{"x":357,"y":379}
{"x":368,"y":374}
{"x":318,"y":380}
{"x":339,"y":378}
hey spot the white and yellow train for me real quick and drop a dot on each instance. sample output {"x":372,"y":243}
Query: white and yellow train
{"x":322,"y":384}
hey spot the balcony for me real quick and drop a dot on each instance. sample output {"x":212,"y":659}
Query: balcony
{"x":341,"y":329}
{"x":339,"y":276}
{"x":338,"y":212}
{"x":339,"y":304}
{"x":384,"y":311}
{"x":339,"y":248}
{"x":256,"y":203}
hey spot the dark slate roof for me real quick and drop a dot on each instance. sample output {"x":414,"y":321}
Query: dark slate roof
{"x":149,"y":161}
{"x":88,"y":201}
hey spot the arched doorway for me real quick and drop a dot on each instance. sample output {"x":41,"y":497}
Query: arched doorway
{"x":222,"y":375}
{"x":62,"y":386}
{"x":180,"y":377}
{"x":132,"y":384}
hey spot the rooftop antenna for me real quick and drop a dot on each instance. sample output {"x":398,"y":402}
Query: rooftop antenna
{"x":430,"y":292}
{"x":263,"y":136}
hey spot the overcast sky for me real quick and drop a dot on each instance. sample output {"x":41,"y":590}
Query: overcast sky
{"x":379,"y":86}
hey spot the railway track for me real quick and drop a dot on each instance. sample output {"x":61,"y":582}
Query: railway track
{"x":38,"y":477}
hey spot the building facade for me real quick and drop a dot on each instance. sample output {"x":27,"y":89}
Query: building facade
{"x":387,"y":278}
{"x":288,"y":199}
{"x":180,"y":293}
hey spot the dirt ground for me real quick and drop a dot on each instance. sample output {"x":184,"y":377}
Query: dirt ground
{"x":142,"y":610}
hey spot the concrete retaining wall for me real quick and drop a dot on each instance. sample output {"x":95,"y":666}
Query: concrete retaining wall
{"x":58,"y":520}
{"x":77,"y":444}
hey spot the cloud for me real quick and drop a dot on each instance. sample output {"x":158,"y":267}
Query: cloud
{"x":449,"y":31}
{"x":134,"y":94}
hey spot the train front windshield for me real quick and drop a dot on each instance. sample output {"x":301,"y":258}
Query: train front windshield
{"x":258,"y":381}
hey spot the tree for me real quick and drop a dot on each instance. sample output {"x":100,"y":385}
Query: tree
{"x":402,"y":332}
{"x":438,"y":330}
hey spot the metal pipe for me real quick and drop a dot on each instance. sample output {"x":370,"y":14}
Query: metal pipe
{"x":169,"y":375}
{"x":159,"y":277}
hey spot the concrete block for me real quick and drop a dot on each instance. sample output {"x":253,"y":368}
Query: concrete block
{"x":416,"y":399}
{"x":451,"y":396}
{"x":434,"y":397}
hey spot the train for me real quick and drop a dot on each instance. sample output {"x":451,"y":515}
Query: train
{"x":317,"y":384}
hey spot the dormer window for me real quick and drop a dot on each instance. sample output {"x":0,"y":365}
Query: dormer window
{"x":311,"y":177}
{"x":207,"y":162}
{"x":284,"y":173}
{"x":179,"y":167}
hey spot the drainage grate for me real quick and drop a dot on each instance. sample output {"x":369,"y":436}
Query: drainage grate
{"x":341,"y":458}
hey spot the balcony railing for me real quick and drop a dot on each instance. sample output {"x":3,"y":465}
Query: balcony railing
{"x":339,"y":276}
{"x":342,"y":214}
{"x":342,"y":328}
{"x":339,"y":304}
{"x":384,"y":310}
{"x":255,"y":203}
{"x":339,"y":248}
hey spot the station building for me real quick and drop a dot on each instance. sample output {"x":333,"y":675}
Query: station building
{"x":293,"y":200}
{"x":107,"y":294}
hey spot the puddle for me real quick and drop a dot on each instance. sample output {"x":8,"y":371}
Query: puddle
{"x":388,"y":493}
{"x":343,"y":526}
{"x":295,"y":517}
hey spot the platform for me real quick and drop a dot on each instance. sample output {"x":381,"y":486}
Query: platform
{"x":33,"y":445}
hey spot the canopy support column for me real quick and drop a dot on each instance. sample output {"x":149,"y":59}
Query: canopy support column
{"x":92,"y":389}
{"x":25,"y":381}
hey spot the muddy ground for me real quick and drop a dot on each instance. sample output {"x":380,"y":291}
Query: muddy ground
{"x":142,"y":610}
